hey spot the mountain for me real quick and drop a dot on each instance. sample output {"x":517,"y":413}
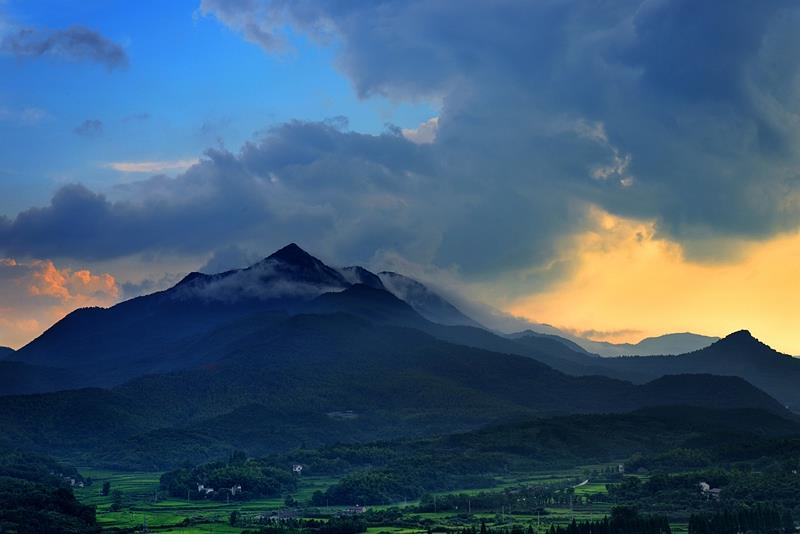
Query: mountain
{"x":739,"y":354}
{"x":425,"y":301}
{"x":651,"y":346}
{"x":6,"y":352}
{"x":149,"y":334}
{"x":169,"y":330}
{"x":277,"y":381}
{"x":144,"y":335}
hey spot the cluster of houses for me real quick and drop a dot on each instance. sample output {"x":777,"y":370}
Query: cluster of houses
{"x":353,"y":510}
{"x":708,"y":492}
{"x":207,"y":492}
{"x":72,"y":481}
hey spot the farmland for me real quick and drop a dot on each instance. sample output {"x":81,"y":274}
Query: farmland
{"x":144,"y":503}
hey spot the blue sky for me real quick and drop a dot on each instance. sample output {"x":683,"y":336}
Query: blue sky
{"x":196,"y":82}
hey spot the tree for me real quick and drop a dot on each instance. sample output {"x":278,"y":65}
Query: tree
{"x":106,"y":488}
{"x":116,"y":501}
{"x":234,"y":518}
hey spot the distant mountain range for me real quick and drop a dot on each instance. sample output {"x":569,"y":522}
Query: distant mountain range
{"x":291,"y":350}
{"x":6,"y":352}
{"x":668,"y":344}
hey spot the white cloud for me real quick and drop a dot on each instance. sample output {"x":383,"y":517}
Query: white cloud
{"x":152,"y":167}
{"x":424,"y":133}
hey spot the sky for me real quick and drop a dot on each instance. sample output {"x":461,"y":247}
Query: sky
{"x":617,"y":169}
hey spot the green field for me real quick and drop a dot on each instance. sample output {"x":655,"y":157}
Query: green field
{"x":144,"y":504}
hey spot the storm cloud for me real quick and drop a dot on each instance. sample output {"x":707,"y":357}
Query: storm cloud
{"x":683,"y":113}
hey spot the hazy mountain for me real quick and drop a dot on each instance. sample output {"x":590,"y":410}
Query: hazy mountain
{"x":6,"y":352}
{"x":738,"y":354}
{"x":668,"y":344}
{"x":427,"y":302}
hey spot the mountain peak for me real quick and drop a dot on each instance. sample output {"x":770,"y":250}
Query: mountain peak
{"x":292,"y":253}
{"x":741,"y":345}
{"x":739,"y":337}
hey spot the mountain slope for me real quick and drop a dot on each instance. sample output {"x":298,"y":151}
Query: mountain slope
{"x":17,"y":378}
{"x":738,"y":354}
{"x":6,"y":352}
{"x":382,"y":307}
{"x":426,"y":302}
{"x":527,"y":335}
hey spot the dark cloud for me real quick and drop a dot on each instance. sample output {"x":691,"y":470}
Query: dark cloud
{"x":669,"y":110}
{"x":89,"y":128}
{"x":297,"y":181}
{"x":75,"y":44}
{"x":701,"y":102}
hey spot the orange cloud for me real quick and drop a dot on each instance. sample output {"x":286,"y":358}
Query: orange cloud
{"x":36,"y":294}
{"x":629,"y":280}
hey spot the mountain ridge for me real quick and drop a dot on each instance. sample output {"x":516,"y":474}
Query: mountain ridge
{"x":738,"y":354}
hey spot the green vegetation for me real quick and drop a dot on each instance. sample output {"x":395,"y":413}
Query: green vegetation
{"x":36,"y":497}
{"x":239,"y":478}
{"x":622,"y":521}
{"x":334,"y":525}
{"x":758,"y":518}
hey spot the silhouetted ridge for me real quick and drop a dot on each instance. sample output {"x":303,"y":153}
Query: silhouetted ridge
{"x":740,"y":337}
{"x":742,"y":345}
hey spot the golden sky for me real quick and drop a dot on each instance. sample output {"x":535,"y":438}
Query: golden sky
{"x":628,"y":280}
